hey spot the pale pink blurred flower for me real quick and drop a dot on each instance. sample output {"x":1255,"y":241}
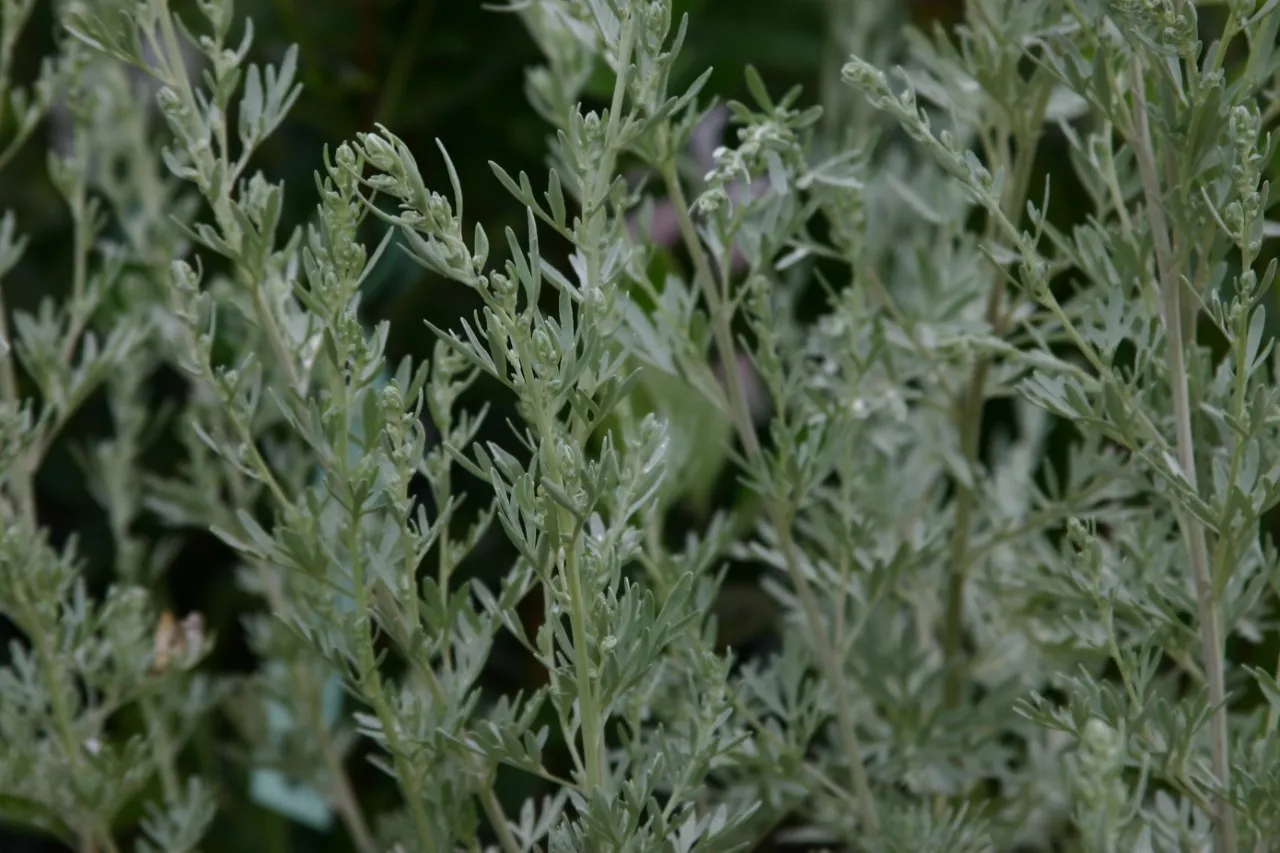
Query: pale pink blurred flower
{"x":663,"y":225}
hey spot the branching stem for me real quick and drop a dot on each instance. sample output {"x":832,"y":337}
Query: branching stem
{"x":778,"y":515}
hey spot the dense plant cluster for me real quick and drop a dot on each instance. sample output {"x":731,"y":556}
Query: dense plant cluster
{"x":1036,"y":637}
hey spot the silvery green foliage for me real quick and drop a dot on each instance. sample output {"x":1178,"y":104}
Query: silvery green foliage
{"x":89,"y":661}
{"x":1180,"y":438}
{"x":950,"y":618}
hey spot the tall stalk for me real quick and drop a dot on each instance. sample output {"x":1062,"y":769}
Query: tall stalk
{"x":1210,"y":613}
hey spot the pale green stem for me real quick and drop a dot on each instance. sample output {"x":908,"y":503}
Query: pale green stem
{"x":343,"y":795}
{"x":159,"y":735}
{"x":493,"y":809}
{"x":594,"y":214}
{"x":219,"y":198}
{"x":91,"y":828}
{"x":1193,"y":530}
{"x":26,"y":466}
{"x":741,"y":415}
{"x":375,"y":694}
{"x":970,"y":420}
{"x":370,"y":678}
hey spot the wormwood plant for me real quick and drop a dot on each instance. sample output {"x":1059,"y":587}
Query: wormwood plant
{"x":984,"y":646}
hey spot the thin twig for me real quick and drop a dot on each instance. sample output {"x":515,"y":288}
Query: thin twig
{"x":1193,"y":530}
{"x":974,"y":403}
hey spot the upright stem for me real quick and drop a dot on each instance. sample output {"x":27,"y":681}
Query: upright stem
{"x":91,"y":827}
{"x":343,"y":795}
{"x":370,"y":679}
{"x":26,"y":465}
{"x":593,"y":745}
{"x":1014,"y":197}
{"x":166,"y":756}
{"x":345,"y":800}
{"x":20,"y":476}
{"x":594,"y":217}
{"x":1210,"y":613}
{"x":778,"y":516}
{"x":962,"y":533}
{"x":493,"y":810}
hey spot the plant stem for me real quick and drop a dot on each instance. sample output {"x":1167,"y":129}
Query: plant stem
{"x":970,"y":421}
{"x":595,"y":766}
{"x":108,"y":843}
{"x":370,"y":683}
{"x":1193,"y":530}
{"x":26,"y":465}
{"x":343,"y":795}
{"x":370,"y":679}
{"x":594,"y":214}
{"x":165,"y":757}
{"x":345,"y":800}
{"x":962,"y":533}
{"x":493,"y":809}
{"x":741,"y":415}
{"x":592,"y":719}
{"x":60,"y":720}
{"x":19,"y":474}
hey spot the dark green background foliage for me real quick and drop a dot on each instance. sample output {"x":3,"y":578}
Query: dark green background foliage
{"x":453,"y":70}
